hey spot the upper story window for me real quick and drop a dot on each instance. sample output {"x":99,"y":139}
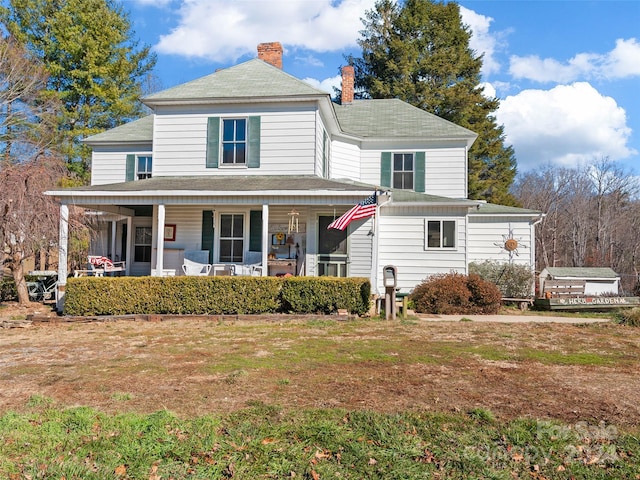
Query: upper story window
{"x":403,"y":171}
{"x":440,"y":234}
{"x":406,"y":171}
{"x":143,"y":167}
{"x":234,"y":141}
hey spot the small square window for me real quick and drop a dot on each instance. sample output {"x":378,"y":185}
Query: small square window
{"x":144,"y":165}
{"x":440,"y":234}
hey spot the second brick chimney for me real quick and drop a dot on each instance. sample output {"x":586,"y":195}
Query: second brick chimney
{"x":348,"y":79}
{"x":271,"y":53}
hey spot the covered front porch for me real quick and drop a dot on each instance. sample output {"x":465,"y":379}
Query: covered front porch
{"x":231,"y":225}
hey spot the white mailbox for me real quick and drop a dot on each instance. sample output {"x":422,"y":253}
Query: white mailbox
{"x":390,"y":276}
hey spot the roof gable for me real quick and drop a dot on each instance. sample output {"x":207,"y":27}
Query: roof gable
{"x":252,"y":79}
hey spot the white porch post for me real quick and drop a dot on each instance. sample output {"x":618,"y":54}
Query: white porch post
{"x":160,"y":240}
{"x":265,"y":239}
{"x":63,"y":245}
{"x":129,"y":246}
{"x":114,"y":226}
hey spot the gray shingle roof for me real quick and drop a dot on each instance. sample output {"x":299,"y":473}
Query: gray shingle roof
{"x":251,"y":79}
{"x":494,"y":209}
{"x":257,"y":185}
{"x":231,"y":183}
{"x":582,"y":272}
{"x":137,"y":131}
{"x":370,"y":118}
{"x":256,"y":79}
{"x":408,"y":196}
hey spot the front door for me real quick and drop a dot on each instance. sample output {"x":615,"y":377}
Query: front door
{"x":332,"y":249}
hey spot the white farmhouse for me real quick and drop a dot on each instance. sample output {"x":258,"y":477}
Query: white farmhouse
{"x":250,"y":165}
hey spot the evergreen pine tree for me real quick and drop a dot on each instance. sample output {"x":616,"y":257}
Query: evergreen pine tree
{"x":419,"y":52}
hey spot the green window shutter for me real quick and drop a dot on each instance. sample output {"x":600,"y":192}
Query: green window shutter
{"x":207,"y":232}
{"x":325,"y":161}
{"x":255,"y":231}
{"x":385,"y":169}
{"x":130,"y":169}
{"x":254,"y":142}
{"x":213,"y":141}
{"x":419,"y":176}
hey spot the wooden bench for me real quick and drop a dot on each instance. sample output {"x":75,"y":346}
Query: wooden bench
{"x":563,"y":288}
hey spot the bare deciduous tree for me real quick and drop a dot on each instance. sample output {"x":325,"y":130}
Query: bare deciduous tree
{"x":28,"y":219}
{"x":28,"y":165}
{"x":592,"y":217}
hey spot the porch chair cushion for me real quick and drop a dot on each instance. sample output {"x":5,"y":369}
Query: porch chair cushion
{"x":196,"y":262}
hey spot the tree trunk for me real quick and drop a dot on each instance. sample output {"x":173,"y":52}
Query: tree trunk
{"x":21,"y":284}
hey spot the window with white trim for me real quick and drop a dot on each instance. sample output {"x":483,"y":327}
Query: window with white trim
{"x":142,"y":244}
{"x":440,"y":234}
{"x":403,"y":171}
{"x":231,"y":237}
{"x":234,"y":141}
{"x":144,"y":164}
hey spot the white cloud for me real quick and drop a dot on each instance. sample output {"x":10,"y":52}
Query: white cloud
{"x":327,"y":84}
{"x":153,"y":3}
{"x":624,"y":60}
{"x":566,"y":125}
{"x":621,"y":62}
{"x":489,"y":90}
{"x":223,"y":31}
{"x":481,"y":40}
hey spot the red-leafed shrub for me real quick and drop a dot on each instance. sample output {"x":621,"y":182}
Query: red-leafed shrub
{"x":454,"y":293}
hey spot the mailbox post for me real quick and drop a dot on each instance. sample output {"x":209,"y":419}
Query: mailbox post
{"x":390,"y":281}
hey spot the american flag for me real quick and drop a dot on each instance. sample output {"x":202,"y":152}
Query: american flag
{"x":364,"y":209}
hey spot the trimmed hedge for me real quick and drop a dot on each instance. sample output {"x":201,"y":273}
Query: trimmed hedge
{"x":325,"y":295}
{"x":215,"y":295}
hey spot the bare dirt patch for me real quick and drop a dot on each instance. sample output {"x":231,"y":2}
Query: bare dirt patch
{"x":198,"y":366}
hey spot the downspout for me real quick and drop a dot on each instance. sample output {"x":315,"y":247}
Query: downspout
{"x":532,"y":260}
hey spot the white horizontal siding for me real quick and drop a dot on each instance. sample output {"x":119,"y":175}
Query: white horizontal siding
{"x":445,"y":169}
{"x":287,"y":143}
{"x":360,"y":248}
{"x":345,"y":160}
{"x":488,"y":234}
{"x":108,"y":165}
{"x":402,"y":243}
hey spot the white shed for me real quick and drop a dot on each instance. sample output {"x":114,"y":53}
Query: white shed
{"x":598,"y":280}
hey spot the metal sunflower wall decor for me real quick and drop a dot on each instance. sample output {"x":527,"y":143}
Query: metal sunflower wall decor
{"x":510,"y":244}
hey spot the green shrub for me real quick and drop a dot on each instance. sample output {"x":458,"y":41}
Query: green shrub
{"x":8,"y":291}
{"x":454,"y":293}
{"x":326,"y":295}
{"x":514,"y":281}
{"x":629,"y":316}
{"x":214,"y":295}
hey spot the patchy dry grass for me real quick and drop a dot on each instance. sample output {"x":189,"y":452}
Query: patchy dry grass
{"x":546,"y":371}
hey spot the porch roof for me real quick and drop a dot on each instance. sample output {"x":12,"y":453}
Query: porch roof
{"x":251,"y":186}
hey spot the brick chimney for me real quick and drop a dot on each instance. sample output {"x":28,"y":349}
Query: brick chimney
{"x":348,"y":79}
{"x":271,"y":53}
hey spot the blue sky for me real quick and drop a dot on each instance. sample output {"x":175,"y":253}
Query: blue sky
{"x":567,"y":72}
